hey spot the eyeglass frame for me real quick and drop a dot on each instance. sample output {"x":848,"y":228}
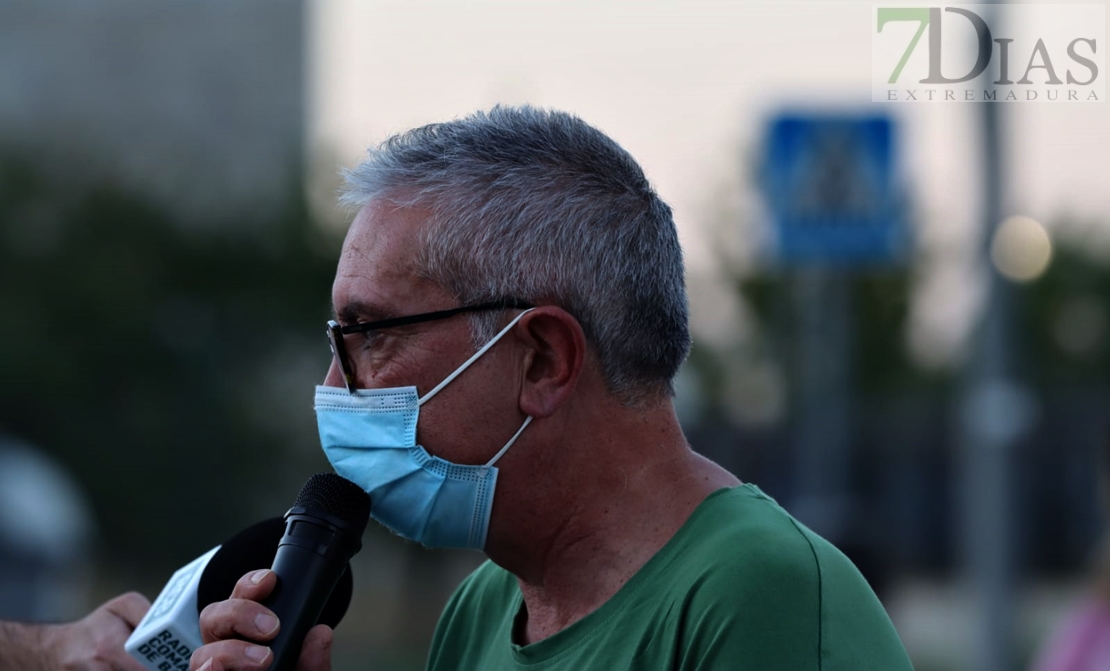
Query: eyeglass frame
{"x":336,"y":331}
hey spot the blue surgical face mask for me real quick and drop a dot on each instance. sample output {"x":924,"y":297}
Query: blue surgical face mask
{"x":370,"y":438}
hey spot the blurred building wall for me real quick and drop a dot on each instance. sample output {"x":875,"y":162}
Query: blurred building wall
{"x":198,"y":103}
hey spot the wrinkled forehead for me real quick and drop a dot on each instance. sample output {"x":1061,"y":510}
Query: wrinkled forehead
{"x":383,"y":236}
{"x":378,"y":263}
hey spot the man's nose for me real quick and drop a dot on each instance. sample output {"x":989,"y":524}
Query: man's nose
{"x":334,"y":378}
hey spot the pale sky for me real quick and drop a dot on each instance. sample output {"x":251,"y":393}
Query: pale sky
{"x":686,"y":87}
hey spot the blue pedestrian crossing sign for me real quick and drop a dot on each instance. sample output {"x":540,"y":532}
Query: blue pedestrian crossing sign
{"x":831,"y":187}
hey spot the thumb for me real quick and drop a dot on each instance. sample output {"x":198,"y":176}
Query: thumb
{"x":130,"y":608}
{"x":316,"y":649}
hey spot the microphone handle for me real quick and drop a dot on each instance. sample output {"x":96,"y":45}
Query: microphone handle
{"x":310,"y":559}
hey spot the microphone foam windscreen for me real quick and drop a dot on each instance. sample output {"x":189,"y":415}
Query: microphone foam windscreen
{"x":254,"y":548}
{"x":336,"y":496}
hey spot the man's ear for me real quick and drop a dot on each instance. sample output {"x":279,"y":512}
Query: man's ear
{"x":556,"y":352}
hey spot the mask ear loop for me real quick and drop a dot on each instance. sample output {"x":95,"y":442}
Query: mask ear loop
{"x":503,"y":450}
{"x":472,"y":359}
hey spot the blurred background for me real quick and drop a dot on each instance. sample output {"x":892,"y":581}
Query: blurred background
{"x":928,"y":388}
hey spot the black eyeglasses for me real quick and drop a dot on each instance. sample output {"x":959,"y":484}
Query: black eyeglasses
{"x":336,"y":331}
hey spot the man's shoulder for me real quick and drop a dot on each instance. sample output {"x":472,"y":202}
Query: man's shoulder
{"x":763,"y":581}
{"x":746,"y":531}
{"x":740,"y":534}
{"x":741,"y":547}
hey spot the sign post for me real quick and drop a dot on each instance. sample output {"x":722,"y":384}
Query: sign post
{"x":830,"y":185}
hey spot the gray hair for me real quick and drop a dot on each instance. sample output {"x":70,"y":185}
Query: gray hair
{"x":537,"y":205}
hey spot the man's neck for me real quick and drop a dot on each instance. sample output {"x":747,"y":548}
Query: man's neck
{"x":654,"y":483}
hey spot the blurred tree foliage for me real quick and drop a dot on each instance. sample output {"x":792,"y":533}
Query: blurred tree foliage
{"x":169,"y":366}
{"x":1062,"y":326}
{"x":879,"y":304}
{"x":878,"y":301}
{"x":1065,"y":315}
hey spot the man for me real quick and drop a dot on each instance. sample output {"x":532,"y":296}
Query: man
{"x":511,"y":312}
{"x":94,"y":643}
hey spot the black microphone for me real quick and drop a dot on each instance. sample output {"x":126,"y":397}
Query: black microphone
{"x":323,"y":530}
{"x":170,"y":631}
{"x":251,"y":549}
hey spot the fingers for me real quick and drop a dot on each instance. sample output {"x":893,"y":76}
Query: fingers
{"x":223,"y":624}
{"x":237,"y":618}
{"x":231,"y":656}
{"x":242,"y":616}
{"x":130,"y":608}
{"x":255,"y":585}
{"x":315,"y":654}
{"x":316,"y":650}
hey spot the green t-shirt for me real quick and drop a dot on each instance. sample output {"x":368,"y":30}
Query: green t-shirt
{"x":742,"y":585}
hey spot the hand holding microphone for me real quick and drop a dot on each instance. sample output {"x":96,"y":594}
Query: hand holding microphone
{"x":238,"y":632}
{"x":268,"y":623}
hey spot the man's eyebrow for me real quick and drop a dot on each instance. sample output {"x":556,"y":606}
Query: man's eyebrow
{"x":359,"y":311}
